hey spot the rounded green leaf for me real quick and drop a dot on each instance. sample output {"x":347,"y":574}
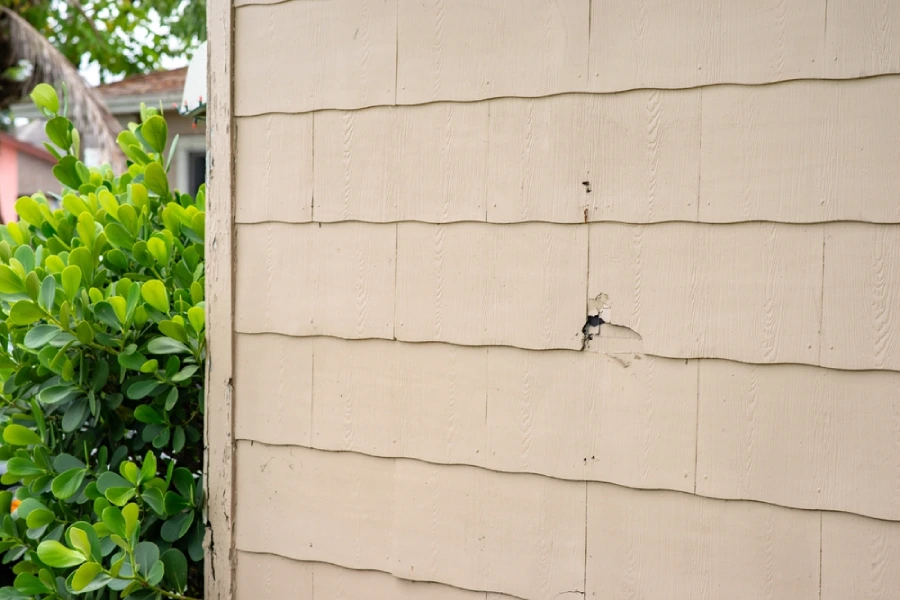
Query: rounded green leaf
{"x":39,"y":517}
{"x":176,"y":569}
{"x":147,"y":414}
{"x":55,"y":555}
{"x":27,"y":584}
{"x":48,"y":292}
{"x":85,"y":575}
{"x":130,"y":513}
{"x":158,"y":250}
{"x":113,"y":519}
{"x":120,"y":495}
{"x":155,"y":294}
{"x":166,"y":345}
{"x":71,"y":281}
{"x":146,"y":554}
{"x":156,"y":180}
{"x":110,"y":480}
{"x":41,"y":335}
{"x":58,"y":393}
{"x":27,"y":208}
{"x":118,"y":236}
{"x":25,"y":312}
{"x":197,"y":317}
{"x":175,"y":528}
{"x":18,"y":435}
{"x":155,"y":133}
{"x":66,"y":484}
{"x":10,"y":281}
{"x":156,"y":573}
{"x":45,"y":97}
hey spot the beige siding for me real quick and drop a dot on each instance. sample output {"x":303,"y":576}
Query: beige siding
{"x":431,"y":198}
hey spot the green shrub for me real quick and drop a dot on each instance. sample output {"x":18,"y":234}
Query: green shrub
{"x":101,"y":364}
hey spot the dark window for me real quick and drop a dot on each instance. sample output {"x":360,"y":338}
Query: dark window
{"x":196,"y":171}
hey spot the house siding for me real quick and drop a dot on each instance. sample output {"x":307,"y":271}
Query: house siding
{"x":428,"y":200}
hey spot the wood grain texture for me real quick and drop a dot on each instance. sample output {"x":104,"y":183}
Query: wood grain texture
{"x":269,"y":577}
{"x":863,"y":38}
{"x":673,"y":546}
{"x":748,"y":292}
{"x":302,"y":56}
{"x":677,"y":43}
{"x":405,"y":517}
{"x":859,"y":558}
{"x":274,"y":169}
{"x":422,"y":163}
{"x":801,"y":151}
{"x":273,"y":382}
{"x":800,"y":436}
{"x":218,"y":421}
{"x":478,"y":284}
{"x":475,"y":50}
{"x":314,"y":280}
{"x":862,"y":289}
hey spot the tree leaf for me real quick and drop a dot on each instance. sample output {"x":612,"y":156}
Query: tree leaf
{"x":45,"y":97}
{"x":120,"y":495}
{"x":75,"y":415}
{"x":147,"y":414}
{"x":66,"y":484}
{"x":146,"y":554}
{"x":175,"y":528}
{"x":154,"y":293}
{"x":111,"y":480}
{"x":55,"y":555}
{"x":27,"y":208}
{"x":197,"y":317}
{"x":48,"y":293}
{"x":39,"y":517}
{"x":25,"y":312}
{"x":175,"y":503}
{"x":22,"y":467}
{"x":41,"y":335}
{"x":155,"y":179}
{"x":130,"y":514}
{"x":28,"y":584}
{"x":142,"y":389}
{"x":58,"y":393}
{"x":113,"y":519}
{"x":19,"y":435}
{"x":85,"y":575}
{"x":10,"y":281}
{"x":166,"y":345}
{"x":155,"y":133}
{"x":154,"y":499}
{"x":71,"y":281}
{"x":176,"y":569}
{"x":148,"y":469}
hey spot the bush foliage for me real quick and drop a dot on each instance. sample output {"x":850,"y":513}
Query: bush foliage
{"x":102,"y":376}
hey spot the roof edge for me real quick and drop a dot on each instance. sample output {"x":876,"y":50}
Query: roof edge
{"x":39,"y":153}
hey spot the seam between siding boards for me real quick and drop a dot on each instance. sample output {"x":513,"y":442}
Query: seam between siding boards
{"x":569,"y":481}
{"x":245,"y":115}
{"x":395,"y":576}
{"x":569,"y":223}
{"x":574,"y":350}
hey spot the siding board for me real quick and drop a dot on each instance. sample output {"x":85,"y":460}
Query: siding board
{"x":862,"y":38}
{"x":678,"y":43}
{"x":303,"y":56}
{"x":314,"y":280}
{"x":862,"y":288}
{"x":404,"y":517}
{"x":800,"y":436}
{"x":274,"y":170}
{"x":801,"y":151}
{"x":748,"y":292}
{"x":269,"y":577}
{"x":477,"y":50}
{"x":477,"y":284}
{"x":797,"y":152}
{"x":669,"y":545}
{"x":859,"y":558}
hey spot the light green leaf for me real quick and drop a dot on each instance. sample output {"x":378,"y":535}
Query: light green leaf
{"x":166,"y":345}
{"x":154,"y":293}
{"x":39,"y":517}
{"x":71,"y":281}
{"x":112,"y":518}
{"x":10,"y":281}
{"x":66,"y":484}
{"x":58,"y":556}
{"x":120,"y":495}
{"x":18,"y":435}
{"x":27,"y":208}
{"x":158,"y":249}
{"x":197,"y":317}
{"x":156,"y":180}
{"x":80,"y":541}
{"x":25,"y":312}
{"x":155,"y":133}
{"x":85,"y":575}
{"x":45,"y":97}
{"x":148,"y":469}
{"x":130,"y":513}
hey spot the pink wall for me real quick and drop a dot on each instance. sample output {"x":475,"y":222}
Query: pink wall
{"x":9,"y":182}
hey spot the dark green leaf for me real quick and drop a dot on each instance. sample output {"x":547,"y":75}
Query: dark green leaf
{"x":147,"y":414}
{"x":145,"y":555}
{"x":175,"y":528}
{"x":75,"y":415}
{"x":142,"y":389}
{"x":176,"y":569}
{"x":166,"y":345}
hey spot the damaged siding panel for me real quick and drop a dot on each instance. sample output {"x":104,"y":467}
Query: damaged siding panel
{"x":802,"y":151}
{"x":274,"y":170}
{"x":800,"y":436}
{"x":270,"y":577}
{"x":403,"y":517}
{"x":313,"y":280}
{"x":300,"y":56}
{"x":748,"y":292}
{"x":862,"y":291}
{"x":859,"y":558}
{"x":520,"y":47}
{"x":478,"y":284}
{"x":669,"y":545}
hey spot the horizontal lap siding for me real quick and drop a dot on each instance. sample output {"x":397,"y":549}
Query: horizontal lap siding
{"x":859,"y":558}
{"x":804,"y":151}
{"x":270,"y":577}
{"x":751,"y":292}
{"x":797,"y":436}
{"x":405,"y":517}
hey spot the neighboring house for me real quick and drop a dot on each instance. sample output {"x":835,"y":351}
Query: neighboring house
{"x":163,"y":88}
{"x":434,"y":207}
{"x":24,"y":170}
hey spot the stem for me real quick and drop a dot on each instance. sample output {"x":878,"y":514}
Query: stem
{"x":172,"y":595}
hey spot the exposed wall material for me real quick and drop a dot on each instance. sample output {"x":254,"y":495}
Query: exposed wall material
{"x":540,"y":299}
